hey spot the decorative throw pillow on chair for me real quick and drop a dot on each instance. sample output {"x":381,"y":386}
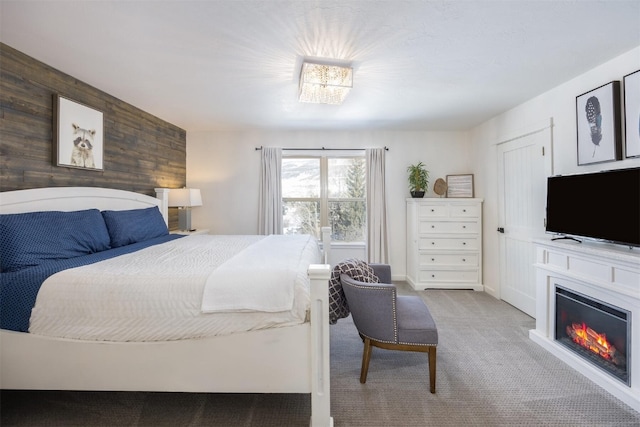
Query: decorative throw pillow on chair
{"x":356,"y":269}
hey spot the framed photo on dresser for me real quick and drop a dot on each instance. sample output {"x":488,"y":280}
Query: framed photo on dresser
{"x":460,"y":185}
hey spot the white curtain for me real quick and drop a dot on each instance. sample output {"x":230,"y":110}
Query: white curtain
{"x":377,"y":245}
{"x":270,"y":215}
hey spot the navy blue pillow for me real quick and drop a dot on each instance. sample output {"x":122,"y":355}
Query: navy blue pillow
{"x":136,"y":225}
{"x":32,"y":238}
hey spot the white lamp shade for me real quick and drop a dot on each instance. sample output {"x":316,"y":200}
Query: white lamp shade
{"x":184,"y":197}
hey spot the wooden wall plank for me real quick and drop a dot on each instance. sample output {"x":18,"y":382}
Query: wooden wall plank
{"x":141,"y":151}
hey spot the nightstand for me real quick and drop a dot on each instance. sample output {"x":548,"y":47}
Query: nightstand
{"x":192,"y":232}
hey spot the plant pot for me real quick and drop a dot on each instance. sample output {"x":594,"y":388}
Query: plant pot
{"x":417,"y":194}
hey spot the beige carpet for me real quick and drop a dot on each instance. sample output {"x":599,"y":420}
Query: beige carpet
{"x":489,"y":374}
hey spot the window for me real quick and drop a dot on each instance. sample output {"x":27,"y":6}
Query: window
{"x":321,"y":191}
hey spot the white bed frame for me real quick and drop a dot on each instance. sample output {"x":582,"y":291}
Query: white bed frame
{"x":282,"y":360}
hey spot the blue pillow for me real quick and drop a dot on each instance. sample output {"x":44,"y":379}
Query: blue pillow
{"x":133,"y":226}
{"x":33,"y":238}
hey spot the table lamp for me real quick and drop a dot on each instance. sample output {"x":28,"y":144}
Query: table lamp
{"x":184,"y":199}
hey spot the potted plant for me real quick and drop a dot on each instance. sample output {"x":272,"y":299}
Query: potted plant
{"x":418,"y":179}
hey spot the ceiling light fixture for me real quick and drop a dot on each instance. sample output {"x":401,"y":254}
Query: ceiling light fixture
{"x":324,"y":84}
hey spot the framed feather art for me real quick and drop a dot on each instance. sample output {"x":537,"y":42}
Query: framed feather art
{"x":598,"y":124}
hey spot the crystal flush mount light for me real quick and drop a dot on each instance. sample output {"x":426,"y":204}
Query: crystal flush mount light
{"x":324,"y":84}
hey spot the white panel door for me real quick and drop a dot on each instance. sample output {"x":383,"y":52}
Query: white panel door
{"x":524,"y":163}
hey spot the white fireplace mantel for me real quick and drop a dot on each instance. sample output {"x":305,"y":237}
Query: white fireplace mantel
{"x":609,"y":273}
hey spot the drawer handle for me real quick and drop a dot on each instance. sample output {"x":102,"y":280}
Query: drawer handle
{"x":433,"y":275}
{"x":431,"y":210}
{"x":464,"y":210}
{"x":464,"y":243}
{"x":433,"y":259}
{"x":464,"y":260}
{"x":433,"y":226}
{"x":433,"y":243}
{"x":464,"y":226}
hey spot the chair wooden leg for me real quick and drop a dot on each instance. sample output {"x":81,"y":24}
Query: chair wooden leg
{"x":366,"y":355}
{"x":432,"y":369}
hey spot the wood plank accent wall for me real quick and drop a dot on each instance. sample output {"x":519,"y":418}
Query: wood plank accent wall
{"x":141,"y":151}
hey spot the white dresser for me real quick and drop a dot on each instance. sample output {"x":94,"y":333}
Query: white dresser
{"x":444,"y":243}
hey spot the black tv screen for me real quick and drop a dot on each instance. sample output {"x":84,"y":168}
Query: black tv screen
{"x":601,"y":205}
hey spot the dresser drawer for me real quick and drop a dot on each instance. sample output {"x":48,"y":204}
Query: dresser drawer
{"x":439,"y":259}
{"x":433,"y":211}
{"x":464,"y":211}
{"x":426,"y":227}
{"x":467,"y":276}
{"x":431,"y":243}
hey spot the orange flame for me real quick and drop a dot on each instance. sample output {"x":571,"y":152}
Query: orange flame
{"x":591,"y":340}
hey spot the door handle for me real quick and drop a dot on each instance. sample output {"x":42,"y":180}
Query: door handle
{"x":500,"y":229}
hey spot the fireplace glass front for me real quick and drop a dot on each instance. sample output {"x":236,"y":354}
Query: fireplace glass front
{"x":597,"y":332}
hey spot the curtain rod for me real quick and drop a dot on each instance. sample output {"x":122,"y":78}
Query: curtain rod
{"x":322,"y":149}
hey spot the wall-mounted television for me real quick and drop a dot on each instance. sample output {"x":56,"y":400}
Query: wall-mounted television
{"x":600,"y":205}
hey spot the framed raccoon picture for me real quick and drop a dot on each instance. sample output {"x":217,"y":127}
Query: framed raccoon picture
{"x":78,"y":134}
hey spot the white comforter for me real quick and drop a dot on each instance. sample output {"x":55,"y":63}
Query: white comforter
{"x":156,"y":294}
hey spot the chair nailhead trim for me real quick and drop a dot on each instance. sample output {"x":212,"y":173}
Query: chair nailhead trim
{"x":384,"y":341}
{"x":395,"y":314}
{"x":413,"y":343}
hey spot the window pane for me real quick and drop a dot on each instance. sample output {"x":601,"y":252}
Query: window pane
{"x":347,"y":220}
{"x":301,"y":218}
{"x":346,"y":177}
{"x":300,"y":178}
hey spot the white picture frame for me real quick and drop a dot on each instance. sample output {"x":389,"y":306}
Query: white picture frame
{"x":78,"y":135}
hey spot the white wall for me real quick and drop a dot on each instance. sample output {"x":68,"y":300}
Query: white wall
{"x":559,"y":104}
{"x":225,"y":166}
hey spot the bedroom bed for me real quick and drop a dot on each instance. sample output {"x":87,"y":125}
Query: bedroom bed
{"x":272,"y":342}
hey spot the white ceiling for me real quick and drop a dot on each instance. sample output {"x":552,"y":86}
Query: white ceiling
{"x":418,"y":64}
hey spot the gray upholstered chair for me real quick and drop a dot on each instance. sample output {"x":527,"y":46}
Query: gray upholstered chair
{"x":390,"y":321}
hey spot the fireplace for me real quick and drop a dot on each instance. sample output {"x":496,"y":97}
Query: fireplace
{"x":588,"y":311}
{"x":596,"y":331}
